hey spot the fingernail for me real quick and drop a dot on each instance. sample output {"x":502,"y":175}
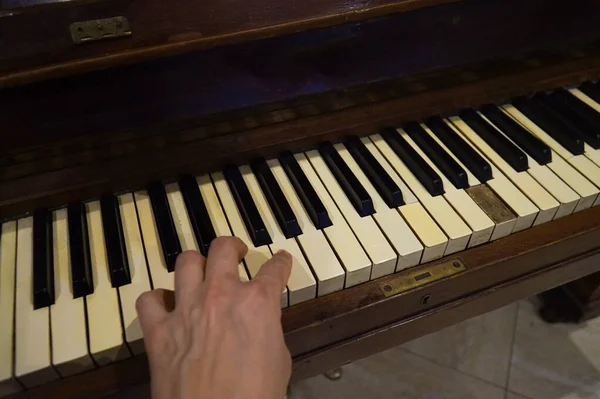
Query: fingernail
{"x":283,"y":252}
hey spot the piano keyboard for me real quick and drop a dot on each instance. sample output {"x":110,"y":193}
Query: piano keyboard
{"x":347,"y":212}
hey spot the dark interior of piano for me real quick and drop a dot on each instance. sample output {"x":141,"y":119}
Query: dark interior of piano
{"x":463,"y":134}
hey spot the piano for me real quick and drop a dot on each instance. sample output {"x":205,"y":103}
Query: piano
{"x":423,"y":161}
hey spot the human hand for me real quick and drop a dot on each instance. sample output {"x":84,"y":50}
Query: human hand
{"x":215,"y":336}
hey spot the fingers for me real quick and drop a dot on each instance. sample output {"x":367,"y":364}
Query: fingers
{"x":224,"y":255}
{"x":153,"y":307}
{"x":274,"y":274}
{"x":189,"y":275}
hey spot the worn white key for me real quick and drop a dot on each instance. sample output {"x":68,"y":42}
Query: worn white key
{"x":404,"y":241}
{"x":32,"y":327}
{"x":325,"y":265}
{"x":343,"y":242}
{"x":428,"y":232}
{"x":501,"y":229}
{"x":301,"y":284}
{"x":256,"y":256}
{"x":525,"y":210}
{"x":138,"y":270}
{"x":580,"y":162}
{"x":216,"y":215}
{"x":452,"y":225}
{"x":67,"y":315}
{"x":368,"y":233}
{"x":159,"y":274}
{"x":8,"y":257}
{"x":480,"y":224}
{"x":181,"y":219}
{"x":567,"y":198}
{"x":104,"y":315}
{"x":547,"y":204}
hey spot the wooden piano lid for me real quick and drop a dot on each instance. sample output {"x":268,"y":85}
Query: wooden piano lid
{"x":40,"y":40}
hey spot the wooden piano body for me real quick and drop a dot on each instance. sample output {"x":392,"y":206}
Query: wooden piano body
{"x":79,"y":121}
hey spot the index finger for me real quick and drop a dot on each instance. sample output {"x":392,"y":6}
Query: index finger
{"x":224,"y":256}
{"x":275,"y":273}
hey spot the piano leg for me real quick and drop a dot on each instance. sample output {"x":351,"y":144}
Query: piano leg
{"x":574,"y":302}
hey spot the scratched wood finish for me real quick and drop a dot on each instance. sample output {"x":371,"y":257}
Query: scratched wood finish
{"x":332,"y":330}
{"x":126,"y":165}
{"x":44,"y":49}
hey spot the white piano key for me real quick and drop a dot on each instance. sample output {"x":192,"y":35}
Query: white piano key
{"x":368,"y":233}
{"x":301,"y":284}
{"x":428,"y":232}
{"x":479,"y":223}
{"x":159,"y":274}
{"x":452,"y":225}
{"x":67,"y":315}
{"x":103,"y":309}
{"x":403,"y":240}
{"x":590,"y":152}
{"x":525,"y":210}
{"x":138,"y":270}
{"x":344,"y":243}
{"x":567,"y":198}
{"x":216,"y":215}
{"x":32,"y":327}
{"x":547,"y":204}
{"x":181,"y":219}
{"x":501,"y":229}
{"x":325,"y":265}
{"x":580,"y":162}
{"x":256,"y":256}
{"x":8,"y":257}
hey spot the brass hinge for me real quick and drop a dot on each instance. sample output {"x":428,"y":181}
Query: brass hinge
{"x":100,"y":29}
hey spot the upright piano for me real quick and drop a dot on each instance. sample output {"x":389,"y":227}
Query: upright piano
{"x":424,"y":161}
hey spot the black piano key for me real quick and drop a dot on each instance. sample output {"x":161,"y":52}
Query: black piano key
{"x":547,"y":121}
{"x":311,"y":201}
{"x":118,"y":265}
{"x":383,"y":183}
{"x":167,"y":233}
{"x":469,"y":157}
{"x":500,"y":144}
{"x":449,"y":167}
{"x":279,"y":205}
{"x":254,"y":223}
{"x":194,"y":203}
{"x":533,"y":146}
{"x":586,"y":112}
{"x":578,"y":115}
{"x":417,"y":165}
{"x":355,"y":192}
{"x":591,"y":90}
{"x":43,"y":259}
{"x":81,"y":264}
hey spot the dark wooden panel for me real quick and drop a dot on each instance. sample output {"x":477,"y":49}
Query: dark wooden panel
{"x":347,"y":325}
{"x":160,"y":29}
{"x":124,"y":166}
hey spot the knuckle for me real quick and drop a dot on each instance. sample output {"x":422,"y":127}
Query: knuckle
{"x":189,"y":257}
{"x":143,"y":301}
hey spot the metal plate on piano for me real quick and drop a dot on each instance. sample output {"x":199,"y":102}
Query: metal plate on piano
{"x":100,"y":29}
{"x":421,"y":277}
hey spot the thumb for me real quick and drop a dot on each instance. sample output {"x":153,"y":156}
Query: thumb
{"x":153,"y":307}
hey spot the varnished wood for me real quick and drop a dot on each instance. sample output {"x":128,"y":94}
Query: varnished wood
{"x":166,"y":29}
{"x":344,"y":326}
{"x":86,"y":168}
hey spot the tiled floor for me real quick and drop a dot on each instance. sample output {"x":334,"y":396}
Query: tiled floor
{"x":506,"y":354}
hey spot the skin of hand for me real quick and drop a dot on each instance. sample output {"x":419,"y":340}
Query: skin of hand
{"x":218,"y":337}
